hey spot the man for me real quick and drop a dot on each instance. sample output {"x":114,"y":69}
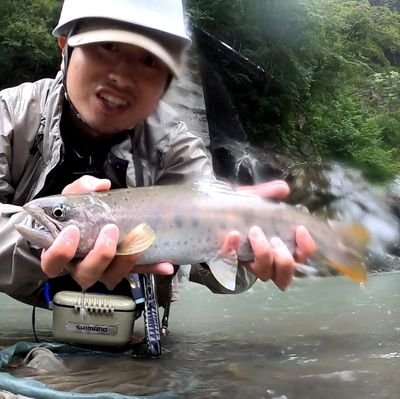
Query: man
{"x":101,"y":124}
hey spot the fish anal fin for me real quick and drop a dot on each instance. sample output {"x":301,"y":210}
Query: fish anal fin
{"x":224,"y":269}
{"x":137,"y":241}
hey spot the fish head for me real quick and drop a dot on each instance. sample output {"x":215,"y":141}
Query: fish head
{"x":52,"y":214}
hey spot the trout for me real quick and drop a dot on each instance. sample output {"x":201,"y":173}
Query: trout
{"x":187,"y":224}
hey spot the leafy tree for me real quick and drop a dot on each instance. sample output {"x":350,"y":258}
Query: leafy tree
{"x":332,"y":74}
{"x":27,"y":49}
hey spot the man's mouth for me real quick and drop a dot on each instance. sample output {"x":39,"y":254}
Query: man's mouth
{"x":113,"y":101}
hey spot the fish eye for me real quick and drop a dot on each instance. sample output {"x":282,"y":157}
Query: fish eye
{"x":59,"y":212}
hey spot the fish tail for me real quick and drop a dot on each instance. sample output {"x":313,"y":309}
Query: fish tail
{"x":357,"y":272}
{"x":349,"y":257}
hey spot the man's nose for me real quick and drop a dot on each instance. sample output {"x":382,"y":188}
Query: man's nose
{"x":123,"y":73}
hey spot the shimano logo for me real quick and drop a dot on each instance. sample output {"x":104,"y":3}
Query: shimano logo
{"x":91,"y":329}
{"x":99,"y":329}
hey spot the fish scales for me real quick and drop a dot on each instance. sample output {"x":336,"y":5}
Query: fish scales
{"x":190,"y":223}
{"x":188,"y":227}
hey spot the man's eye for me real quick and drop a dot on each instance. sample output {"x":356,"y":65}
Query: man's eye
{"x":110,"y":46}
{"x":150,"y":61}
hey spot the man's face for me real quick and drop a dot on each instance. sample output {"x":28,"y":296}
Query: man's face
{"x":114,"y":86}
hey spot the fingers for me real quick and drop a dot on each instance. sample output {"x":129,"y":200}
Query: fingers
{"x":163,"y":268}
{"x":306,"y":246}
{"x":119,"y":268}
{"x":284,"y":263}
{"x":231,"y":244}
{"x":92,"y":267}
{"x":277,"y":189}
{"x":101,"y":263}
{"x":58,"y":256}
{"x":262,"y":267}
{"x":273,"y":260}
{"x":122,"y":266}
{"x":87,"y":184}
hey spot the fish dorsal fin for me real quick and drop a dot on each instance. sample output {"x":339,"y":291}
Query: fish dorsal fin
{"x":137,"y":241}
{"x":225,"y":270}
{"x":355,"y":233}
{"x":302,"y":208}
{"x":209,"y":184}
{"x":214,"y":187}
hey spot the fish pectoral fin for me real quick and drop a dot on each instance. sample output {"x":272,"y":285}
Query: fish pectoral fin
{"x":225,"y":270}
{"x":137,"y":241}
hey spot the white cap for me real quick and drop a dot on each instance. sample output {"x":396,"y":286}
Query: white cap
{"x":99,"y":31}
{"x":156,"y":25}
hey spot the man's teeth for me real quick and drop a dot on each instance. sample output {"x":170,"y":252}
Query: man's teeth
{"x":114,"y":101}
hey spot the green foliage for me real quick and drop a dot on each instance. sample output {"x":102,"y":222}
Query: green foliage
{"x":344,"y":129}
{"x":332,"y":71}
{"x":28,"y":51}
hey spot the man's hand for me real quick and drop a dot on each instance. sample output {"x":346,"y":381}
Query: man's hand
{"x":101,"y":263}
{"x":272,"y":259}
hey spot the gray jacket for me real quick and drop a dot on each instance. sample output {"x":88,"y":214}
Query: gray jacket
{"x":30,"y":147}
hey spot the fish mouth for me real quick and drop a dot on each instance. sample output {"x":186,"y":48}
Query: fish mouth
{"x":43,"y":224}
{"x":39,"y":238}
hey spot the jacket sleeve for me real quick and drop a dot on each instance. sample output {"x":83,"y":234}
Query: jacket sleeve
{"x":20,"y":273}
{"x":185,"y":159}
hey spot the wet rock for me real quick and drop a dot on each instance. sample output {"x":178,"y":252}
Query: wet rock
{"x":393,"y":195}
{"x":334,"y":191}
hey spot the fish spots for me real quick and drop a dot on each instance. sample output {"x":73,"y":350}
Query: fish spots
{"x":195,"y":222}
{"x":178,"y":222}
{"x":248,"y":218}
{"x":223,"y":226}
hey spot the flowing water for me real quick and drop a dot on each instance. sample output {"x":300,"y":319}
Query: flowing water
{"x":322,"y":338}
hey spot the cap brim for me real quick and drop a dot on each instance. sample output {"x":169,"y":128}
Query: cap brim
{"x":128,"y":37}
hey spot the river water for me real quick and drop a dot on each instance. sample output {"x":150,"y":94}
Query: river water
{"x":322,"y":338}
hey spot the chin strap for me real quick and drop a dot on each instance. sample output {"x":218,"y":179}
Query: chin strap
{"x":66,"y":58}
{"x":64,"y":67}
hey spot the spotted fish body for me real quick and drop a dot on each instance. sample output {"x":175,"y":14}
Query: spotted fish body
{"x":189,"y":224}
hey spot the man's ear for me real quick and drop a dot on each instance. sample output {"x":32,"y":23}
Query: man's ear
{"x":62,"y":44}
{"x":62,"y":41}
